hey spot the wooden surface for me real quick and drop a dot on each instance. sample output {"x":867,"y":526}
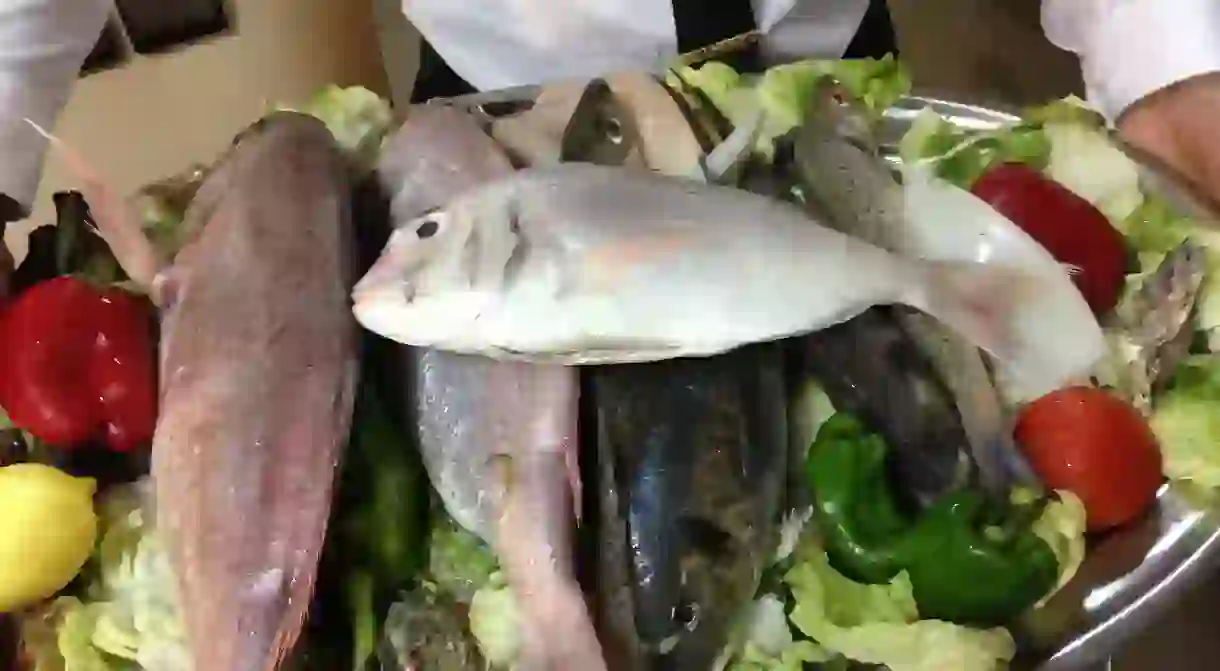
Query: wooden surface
{"x":993,"y":49}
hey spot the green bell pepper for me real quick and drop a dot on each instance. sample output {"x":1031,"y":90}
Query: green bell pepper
{"x":970,"y":560}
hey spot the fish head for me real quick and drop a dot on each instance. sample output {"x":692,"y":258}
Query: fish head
{"x":439,"y":270}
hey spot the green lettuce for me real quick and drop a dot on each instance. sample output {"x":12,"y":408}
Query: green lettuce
{"x":769,"y":644}
{"x":358,"y":118}
{"x":128,"y":617}
{"x":960,"y":156}
{"x":783,"y":92}
{"x":1187,"y":425}
{"x":495,"y":623}
{"x":879,"y":624}
{"x":1062,"y":525}
{"x":459,"y":562}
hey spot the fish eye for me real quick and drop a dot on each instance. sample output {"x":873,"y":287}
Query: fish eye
{"x":427,"y":229}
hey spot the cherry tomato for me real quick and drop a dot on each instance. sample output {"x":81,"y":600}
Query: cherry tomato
{"x":1096,"y":445}
{"x":1068,"y":226}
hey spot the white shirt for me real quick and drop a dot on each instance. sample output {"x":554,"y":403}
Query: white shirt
{"x":1128,"y":48}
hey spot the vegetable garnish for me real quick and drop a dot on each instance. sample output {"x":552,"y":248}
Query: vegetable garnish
{"x":1097,"y":446}
{"x":962,"y":539}
{"x":1077,"y":234}
{"x":79,"y":364}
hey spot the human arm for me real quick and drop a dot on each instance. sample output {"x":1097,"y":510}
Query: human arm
{"x":42,"y":46}
{"x":1153,"y":68}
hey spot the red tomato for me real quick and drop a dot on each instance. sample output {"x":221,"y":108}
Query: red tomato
{"x":79,"y":362}
{"x":1068,"y":226}
{"x":1086,"y":440}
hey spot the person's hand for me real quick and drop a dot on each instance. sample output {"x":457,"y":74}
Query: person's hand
{"x":1180,"y":126}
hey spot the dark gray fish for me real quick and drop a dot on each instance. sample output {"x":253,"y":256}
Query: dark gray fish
{"x":694,"y":456}
{"x":847,"y":183}
{"x":870,"y":367}
{"x":1152,"y":323}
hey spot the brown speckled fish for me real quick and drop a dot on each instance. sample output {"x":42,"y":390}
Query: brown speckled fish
{"x":258,"y":371}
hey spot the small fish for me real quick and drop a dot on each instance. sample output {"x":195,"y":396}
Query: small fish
{"x":258,"y":372}
{"x":869,"y":366}
{"x":1153,"y":323}
{"x":497,"y":438}
{"x":585,"y":264}
{"x":844,"y":178}
{"x":693,"y":453}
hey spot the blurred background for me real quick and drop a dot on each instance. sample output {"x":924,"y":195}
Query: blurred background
{"x":170,"y":83}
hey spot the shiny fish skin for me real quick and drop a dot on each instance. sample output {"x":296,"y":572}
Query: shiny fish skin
{"x":497,"y":438}
{"x":697,"y":451}
{"x":258,"y":369}
{"x":585,"y":264}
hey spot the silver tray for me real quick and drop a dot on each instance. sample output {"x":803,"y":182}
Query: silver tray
{"x":1131,"y":577}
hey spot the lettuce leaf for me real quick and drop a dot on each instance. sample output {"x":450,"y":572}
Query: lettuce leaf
{"x":357,"y":117}
{"x":495,"y":622}
{"x":783,"y":92}
{"x":129,"y":616}
{"x":879,"y":624}
{"x":960,"y":156}
{"x":1187,"y":425}
{"x":1062,"y":526}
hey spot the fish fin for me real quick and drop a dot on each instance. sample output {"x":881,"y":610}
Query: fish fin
{"x":117,"y":222}
{"x":571,"y":461}
{"x":997,"y":309}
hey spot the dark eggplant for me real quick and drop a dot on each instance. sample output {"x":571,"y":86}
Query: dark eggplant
{"x":691,"y":464}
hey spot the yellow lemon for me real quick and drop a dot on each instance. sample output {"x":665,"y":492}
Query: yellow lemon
{"x":47,"y":532}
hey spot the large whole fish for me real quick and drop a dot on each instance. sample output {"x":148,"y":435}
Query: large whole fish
{"x":498,"y":438}
{"x":694,"y":461}
{"x":584,"y":264}
{"x":258,"y":370}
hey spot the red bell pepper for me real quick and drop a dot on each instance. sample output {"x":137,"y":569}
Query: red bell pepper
{"x":77,"y":364}
{"x":1068,"y":226}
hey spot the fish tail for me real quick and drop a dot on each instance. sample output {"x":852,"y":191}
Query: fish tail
{"x":117,"y":221}
{"x":1000,"y":310}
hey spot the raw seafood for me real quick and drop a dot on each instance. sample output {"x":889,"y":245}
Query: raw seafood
{"x":497,"y":438}
{"x":258,"y":373}
{"x":847,"y":181}
{"x":693,"y":456}
{"x":872,"y":369}
{"x":1153,"y":324}
{"x":585,"y":264}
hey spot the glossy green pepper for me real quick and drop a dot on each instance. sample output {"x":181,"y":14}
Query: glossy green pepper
{"x":970,"y":560}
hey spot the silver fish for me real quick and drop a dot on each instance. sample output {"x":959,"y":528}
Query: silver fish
{"x":584,"y":264}
{"x":844,"y":177}
{"x":497,"y":438}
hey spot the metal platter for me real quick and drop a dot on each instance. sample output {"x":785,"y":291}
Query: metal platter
{"x":1131,"y":576}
